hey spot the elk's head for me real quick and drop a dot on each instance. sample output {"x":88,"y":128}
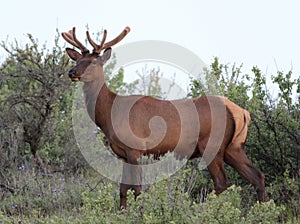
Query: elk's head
{"x":88,"y":65}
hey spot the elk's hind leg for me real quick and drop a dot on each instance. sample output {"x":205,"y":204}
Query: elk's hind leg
{"x":217,"y":172}
{"x":215,"y":166}
{"x":236,"y":157}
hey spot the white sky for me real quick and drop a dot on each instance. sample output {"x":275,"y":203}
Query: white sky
{"x":256,"y":32}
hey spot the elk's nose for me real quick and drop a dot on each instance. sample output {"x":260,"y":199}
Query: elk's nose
{"x":71,"y":73}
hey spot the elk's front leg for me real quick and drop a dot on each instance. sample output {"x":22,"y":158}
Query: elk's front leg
{"x":123,"y":195}
{"x":131,"y":179}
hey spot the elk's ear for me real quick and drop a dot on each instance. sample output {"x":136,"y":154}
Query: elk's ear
{"x":74,"y":55}
{"x":106,"y":55}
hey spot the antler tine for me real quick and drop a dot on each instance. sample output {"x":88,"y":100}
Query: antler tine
{"x":70,"y":37}
{"x":103,"y":38}
{"x":97,"y":48}
{"x":79,"y":44}
{"x":117,"y":39}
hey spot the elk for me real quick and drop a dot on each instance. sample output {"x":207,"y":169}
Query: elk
{"x":141,"y":125}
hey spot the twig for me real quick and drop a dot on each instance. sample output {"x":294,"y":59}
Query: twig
{"x":93,"y":188}
{"x":11,"y":190}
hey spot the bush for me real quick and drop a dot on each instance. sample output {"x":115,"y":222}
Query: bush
{"x":166,"y":202}
{"x":267,"y":213}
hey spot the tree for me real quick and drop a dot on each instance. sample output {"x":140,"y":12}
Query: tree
{"x":33,"y":81}
{"x":152,"y":83}
{"x":36,"y":105}
{"x":115,"y":81}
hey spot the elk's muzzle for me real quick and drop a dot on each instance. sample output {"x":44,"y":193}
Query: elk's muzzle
{"x":72,"y":75}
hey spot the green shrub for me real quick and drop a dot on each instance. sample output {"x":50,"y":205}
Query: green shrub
{"x":167,"y":202}
{"x":285,"y":190}
{"x":221,"y":209}
{"x":267,"y":213}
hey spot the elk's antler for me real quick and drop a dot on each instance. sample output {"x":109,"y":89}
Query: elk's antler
{"x":70,"y":37}
{"x":98,"y":48}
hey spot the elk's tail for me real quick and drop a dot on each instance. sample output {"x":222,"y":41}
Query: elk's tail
{"x":241,"y":119}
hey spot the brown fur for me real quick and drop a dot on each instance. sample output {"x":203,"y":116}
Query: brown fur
{"x":99,"y":101}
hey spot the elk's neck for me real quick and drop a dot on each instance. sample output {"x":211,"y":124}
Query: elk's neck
{"x":98,"y":99}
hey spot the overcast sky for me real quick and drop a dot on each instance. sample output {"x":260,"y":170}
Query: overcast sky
{"x":257,"y":32}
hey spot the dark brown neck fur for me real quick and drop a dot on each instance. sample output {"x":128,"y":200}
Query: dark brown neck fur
{"x":98,"y":99}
